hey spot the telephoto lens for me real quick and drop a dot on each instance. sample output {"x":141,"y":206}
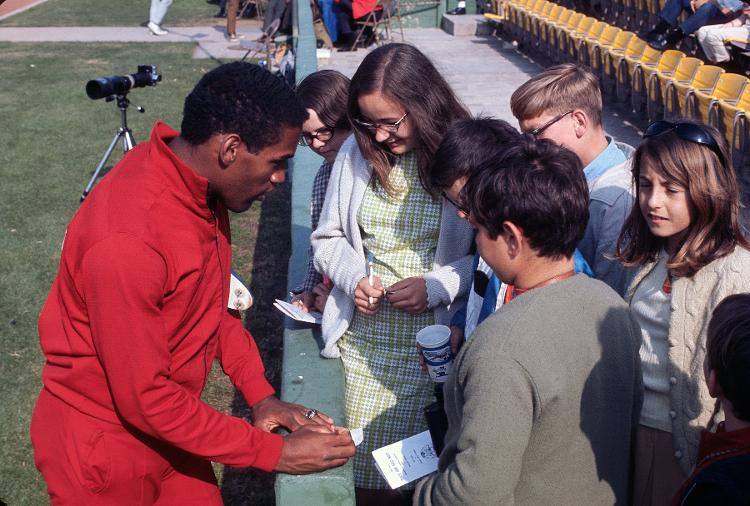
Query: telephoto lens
{"x":103,"y":87}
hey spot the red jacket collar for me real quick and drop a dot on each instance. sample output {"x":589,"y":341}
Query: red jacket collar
{"x":184,"y":176}
{"x":714,"y":445}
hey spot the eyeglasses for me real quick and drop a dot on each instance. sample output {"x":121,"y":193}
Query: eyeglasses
{"x":391,"y":128}
{"x":322,"y":134}
{"x":458,"y":206}
{"x":538,"y":130}
{"x":687,"y":132}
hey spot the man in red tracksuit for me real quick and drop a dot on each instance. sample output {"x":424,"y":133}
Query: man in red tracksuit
{"x":138,"y":312}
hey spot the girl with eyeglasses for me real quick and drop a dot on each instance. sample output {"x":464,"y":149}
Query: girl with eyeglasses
{"x":379,"y":204}
{"x":324,"y":94}
{"x":686,"y":238}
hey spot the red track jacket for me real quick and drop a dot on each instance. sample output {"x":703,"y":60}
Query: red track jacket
{"x":138,"y":311}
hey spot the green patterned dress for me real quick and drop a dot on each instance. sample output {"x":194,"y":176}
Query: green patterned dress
{"x":385,"y":388}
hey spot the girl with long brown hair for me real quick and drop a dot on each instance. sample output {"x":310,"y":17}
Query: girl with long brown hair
{"x":686,"y":238}
{"x":379,"y":205}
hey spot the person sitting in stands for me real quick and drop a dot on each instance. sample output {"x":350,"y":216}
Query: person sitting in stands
{"x":712,"y":37}
{"x":702,"y":12}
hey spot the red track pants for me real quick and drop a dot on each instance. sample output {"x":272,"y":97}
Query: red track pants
{"x":87,"y":461}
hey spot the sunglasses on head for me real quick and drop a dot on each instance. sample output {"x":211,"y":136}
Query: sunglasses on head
{"x":687,"y":132}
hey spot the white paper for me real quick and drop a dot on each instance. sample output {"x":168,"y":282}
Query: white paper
{"x":296,"y":313}
{"x":407,"y":460}
{"x":358,"y":435}
{"x":240,"y":297}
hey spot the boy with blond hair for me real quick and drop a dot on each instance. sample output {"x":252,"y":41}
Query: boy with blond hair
{"x":564,"y":104}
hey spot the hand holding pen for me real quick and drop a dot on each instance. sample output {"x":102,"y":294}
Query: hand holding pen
{"x":409,"y":295}
{"x":369,"y":292}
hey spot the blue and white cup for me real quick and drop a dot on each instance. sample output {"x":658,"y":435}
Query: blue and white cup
{"x":436,"y":350}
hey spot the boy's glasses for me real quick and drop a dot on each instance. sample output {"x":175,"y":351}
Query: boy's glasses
{"x":391,"y":128}
{"x":322,"y":134}
{"x":455,"y":204}
{"x":538,"y":130}
{"x":687,"y":132}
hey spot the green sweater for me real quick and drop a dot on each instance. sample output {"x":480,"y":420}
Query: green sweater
{"x":542,"y":403}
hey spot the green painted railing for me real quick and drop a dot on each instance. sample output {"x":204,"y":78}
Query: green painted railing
{"x":306,"y":377}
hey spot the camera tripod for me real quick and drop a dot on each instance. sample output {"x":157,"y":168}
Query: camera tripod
{"x":124,"y":133}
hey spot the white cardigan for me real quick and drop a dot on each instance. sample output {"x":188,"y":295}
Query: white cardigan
{"x":339,"y":254}
{"x":693,"y":302}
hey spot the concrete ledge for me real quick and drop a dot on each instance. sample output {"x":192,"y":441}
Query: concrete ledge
{"x":467,"y":25}
{"x":307,"y":378}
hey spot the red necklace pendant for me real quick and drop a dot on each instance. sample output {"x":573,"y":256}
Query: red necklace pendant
{"x":666,"y":287}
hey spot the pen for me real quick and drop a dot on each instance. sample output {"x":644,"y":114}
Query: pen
{"x":370,"y":273}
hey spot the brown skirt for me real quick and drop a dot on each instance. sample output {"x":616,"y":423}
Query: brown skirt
{"x":657,"y":475}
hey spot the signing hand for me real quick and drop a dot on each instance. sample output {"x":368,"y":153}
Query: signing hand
{"x":364,"y":293}
{"x":408,"y":295}
{"x":305,"y":300}
{"x":320,"y":293}
{"x":271,"y":413}
{"x":312,"y":449}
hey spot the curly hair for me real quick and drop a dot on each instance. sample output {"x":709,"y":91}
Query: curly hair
{"x":241,"y":98}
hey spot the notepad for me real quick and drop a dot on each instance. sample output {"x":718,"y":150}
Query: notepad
{"x":296,"y":313}
{"x":406,"y":460}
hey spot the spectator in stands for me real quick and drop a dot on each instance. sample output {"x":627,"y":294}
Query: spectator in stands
{"x":564,"y":104}
{"x":379,"y":202}
{"x":349,"y":12}
{"x":325,"y":96}
{"x":543,"y":400}
{"x":468,"y":144}
{"x":712,"y":37}
{"x":702,"y":12}
{"x":686,"y":241}
{"x":721,"y":476}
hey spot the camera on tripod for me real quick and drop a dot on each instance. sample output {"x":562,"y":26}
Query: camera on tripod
{"x":104,"y":87}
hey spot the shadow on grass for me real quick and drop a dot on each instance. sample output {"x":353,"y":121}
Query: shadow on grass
{"x":244,"y":486}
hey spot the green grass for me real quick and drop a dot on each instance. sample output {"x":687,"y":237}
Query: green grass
{"x":51,"y":138}
{"x":112,"y":13}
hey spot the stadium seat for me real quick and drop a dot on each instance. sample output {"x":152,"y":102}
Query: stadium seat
{"x":548,"y":31}
{"x":677,"y":92}
{"x":735,"y":118}
{"x":576,"y":41}
{"x":641,"y":77}
{"x":538,"y":35}
{"x":657,"y":85}
{"x":628,"y":67}
{"x":615,"y":55}
{"x":556,"y":29}
{"x":600,"y":57}
{"x":704,"y":106}
{"x":567,"y":43}
{"x":586,"y":51}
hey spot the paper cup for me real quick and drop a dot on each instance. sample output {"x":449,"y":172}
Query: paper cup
{"x":436,"y":350}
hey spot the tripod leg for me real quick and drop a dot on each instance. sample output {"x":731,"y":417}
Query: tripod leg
{"x":128,"y":142}
{"x":99,"y":167}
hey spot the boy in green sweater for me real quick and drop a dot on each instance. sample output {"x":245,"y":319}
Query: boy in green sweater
{"x":543,"y":399}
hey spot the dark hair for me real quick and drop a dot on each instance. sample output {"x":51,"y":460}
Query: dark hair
{"x":713,"y":195}
{"x":326,"y":92}
{"x":244,"y":99}
{"x":403,"y":74}
{"x":536,"y":185}
{"x":728,"y":350}
{"x":467,"y":144}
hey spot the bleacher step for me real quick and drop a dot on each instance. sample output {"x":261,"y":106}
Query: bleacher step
{"x":465,"y":26}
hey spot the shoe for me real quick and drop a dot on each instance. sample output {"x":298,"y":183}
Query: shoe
{"x":234,"y":37}
{"x":659,"y":42}
{"x":458,"y":11}
{"x":156,"y":29}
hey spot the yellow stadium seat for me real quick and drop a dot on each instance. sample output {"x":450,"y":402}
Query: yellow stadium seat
{"x":615,"y":55}
{"x":566,"y":44}
{"x":541,"y":22}
{"x":657,"y":85}
{"x":586,"y":51}
{"x":677,"y":92}
{"x":735,"y":118}
{"x":600,"y":56}
{"x":704,"y":106}
{"x":548,"y":29}
{"x":557,"y":28}
{"x":576,"y":41}
{"x":642,"y":73}
{"x":628,"y":67}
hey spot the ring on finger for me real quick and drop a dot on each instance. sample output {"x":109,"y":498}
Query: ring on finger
{"x":311,"y":413}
